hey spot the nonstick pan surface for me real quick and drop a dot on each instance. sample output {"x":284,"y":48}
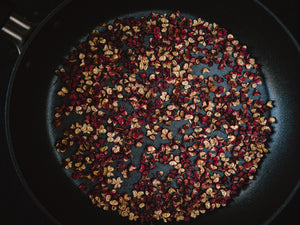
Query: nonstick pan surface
{"x":31,"y":88}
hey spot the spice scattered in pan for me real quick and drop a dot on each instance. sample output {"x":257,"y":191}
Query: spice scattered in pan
{"x":174,"y":119}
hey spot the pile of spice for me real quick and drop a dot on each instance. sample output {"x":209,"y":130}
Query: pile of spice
{"x":173,"y":116}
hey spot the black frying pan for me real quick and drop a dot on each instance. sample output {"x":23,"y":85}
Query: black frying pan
{"x":31,"y":87}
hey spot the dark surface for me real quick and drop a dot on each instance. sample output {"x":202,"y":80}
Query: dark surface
{"x":16,"y":204}
{"x":5,"y":10}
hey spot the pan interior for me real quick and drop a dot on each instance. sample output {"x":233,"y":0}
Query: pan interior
{"x":53,"y":100}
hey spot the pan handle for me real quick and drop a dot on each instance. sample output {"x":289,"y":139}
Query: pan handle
{"x":14,"y":27}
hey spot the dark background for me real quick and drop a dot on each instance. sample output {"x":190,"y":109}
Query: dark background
{"x":16,"y":206}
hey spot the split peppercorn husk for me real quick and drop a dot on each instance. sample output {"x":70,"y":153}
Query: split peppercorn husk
{"x":175,"y":117}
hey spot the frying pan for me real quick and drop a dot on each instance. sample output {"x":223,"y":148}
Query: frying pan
{"x":30,"y":97}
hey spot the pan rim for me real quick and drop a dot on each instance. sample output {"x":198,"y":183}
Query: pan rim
{"x":7,"y":105}
{"x":275,"y":214}
{"x":8,"y":96}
